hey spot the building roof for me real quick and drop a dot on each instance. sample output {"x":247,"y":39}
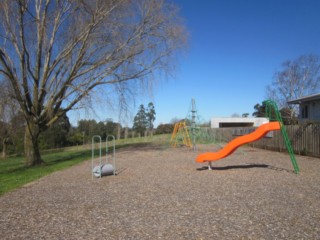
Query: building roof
{"x":305,"y":99}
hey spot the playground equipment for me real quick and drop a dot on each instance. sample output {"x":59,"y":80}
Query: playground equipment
{"x":181,"y":130}
{"x":113,"y":152}
{"x":197,"y":129}
{"x":180,"y":133}
{"x":254,"y":136}
{"x":193,"y":124}
{"x":237,"y":142}
{"x":103,"y":169}
{"x":271,"y":105}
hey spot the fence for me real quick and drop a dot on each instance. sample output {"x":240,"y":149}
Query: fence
{"x":305,"y":139}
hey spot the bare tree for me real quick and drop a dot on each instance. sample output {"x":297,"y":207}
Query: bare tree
{"x":297,"y":78}
{"x":55,"y":52}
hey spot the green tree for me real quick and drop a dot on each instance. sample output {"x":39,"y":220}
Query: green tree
{"x":259,"y":110}
{"x":49,"y":63}
{"x":140,"y":122}
{"x":112,"y":128}
{"x":89,"y":128}
{"x":75,"y":137}
{"x":165,"y":128}
{"x":56,"y":136}
{"x":151,"y":115}
{"x":11,"y":121}
{"x":287,"y":116}
{"x":100,"y":129}
{"x":4,"y":138}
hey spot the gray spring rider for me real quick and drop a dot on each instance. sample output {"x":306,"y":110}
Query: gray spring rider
{"x":106,"y":168}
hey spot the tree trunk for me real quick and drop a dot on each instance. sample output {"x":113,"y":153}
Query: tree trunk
{"x":4,"y":149}
{"x":5,"y":144}
{"x":119,"y":132}
{"x":31,"y":147}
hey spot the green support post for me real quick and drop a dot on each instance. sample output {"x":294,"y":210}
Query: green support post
{"x":272,"y":105}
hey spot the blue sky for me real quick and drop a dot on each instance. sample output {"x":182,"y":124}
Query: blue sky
{"x":235,"y":47}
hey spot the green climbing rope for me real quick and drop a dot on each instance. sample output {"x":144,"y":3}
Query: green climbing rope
{"x":273,"y":113}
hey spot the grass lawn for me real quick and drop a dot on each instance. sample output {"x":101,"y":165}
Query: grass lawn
{"x":14,"y":173}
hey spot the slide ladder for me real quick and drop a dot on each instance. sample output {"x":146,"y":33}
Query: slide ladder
{"x":271,"y":105}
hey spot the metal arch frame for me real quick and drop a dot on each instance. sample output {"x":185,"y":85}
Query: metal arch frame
{"x":114,"y":152}
{"x":92,"y":152}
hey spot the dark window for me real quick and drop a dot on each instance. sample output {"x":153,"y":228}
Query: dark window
{"x":235,"y":124}
{"x":305,"y":112}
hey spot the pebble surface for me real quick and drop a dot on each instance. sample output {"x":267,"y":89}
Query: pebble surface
{"x":162,"y":193}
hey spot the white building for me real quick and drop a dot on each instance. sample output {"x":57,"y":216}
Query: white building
{"x":222,"y":122}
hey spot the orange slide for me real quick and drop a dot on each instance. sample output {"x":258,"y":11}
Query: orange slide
{"x":237,"y":142}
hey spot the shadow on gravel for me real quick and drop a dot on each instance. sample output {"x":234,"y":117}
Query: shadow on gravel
{"x":121,"y":170}
{"x":247,"y":166}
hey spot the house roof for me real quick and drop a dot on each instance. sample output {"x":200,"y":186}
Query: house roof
{"x":305,"y":99}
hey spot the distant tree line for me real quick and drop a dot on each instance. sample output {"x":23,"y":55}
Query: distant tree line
{"x":63,"y":134}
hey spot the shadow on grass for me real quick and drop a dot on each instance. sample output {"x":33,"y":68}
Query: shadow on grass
{"x":49,"y":160}
{"x":65,"y":158}
{"x":16,"y":169}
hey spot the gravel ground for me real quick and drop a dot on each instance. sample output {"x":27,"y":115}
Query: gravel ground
{"x":162,"y":193}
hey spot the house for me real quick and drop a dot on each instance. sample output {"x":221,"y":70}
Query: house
{"x":237,"y":122}
{"x":309,"y":108}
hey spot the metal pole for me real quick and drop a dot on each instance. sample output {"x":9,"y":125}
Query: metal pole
{"x":209,"y":165}
{"x":92,"y":152}
{"x":193,"y":124}
{"x":114,"y":152}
